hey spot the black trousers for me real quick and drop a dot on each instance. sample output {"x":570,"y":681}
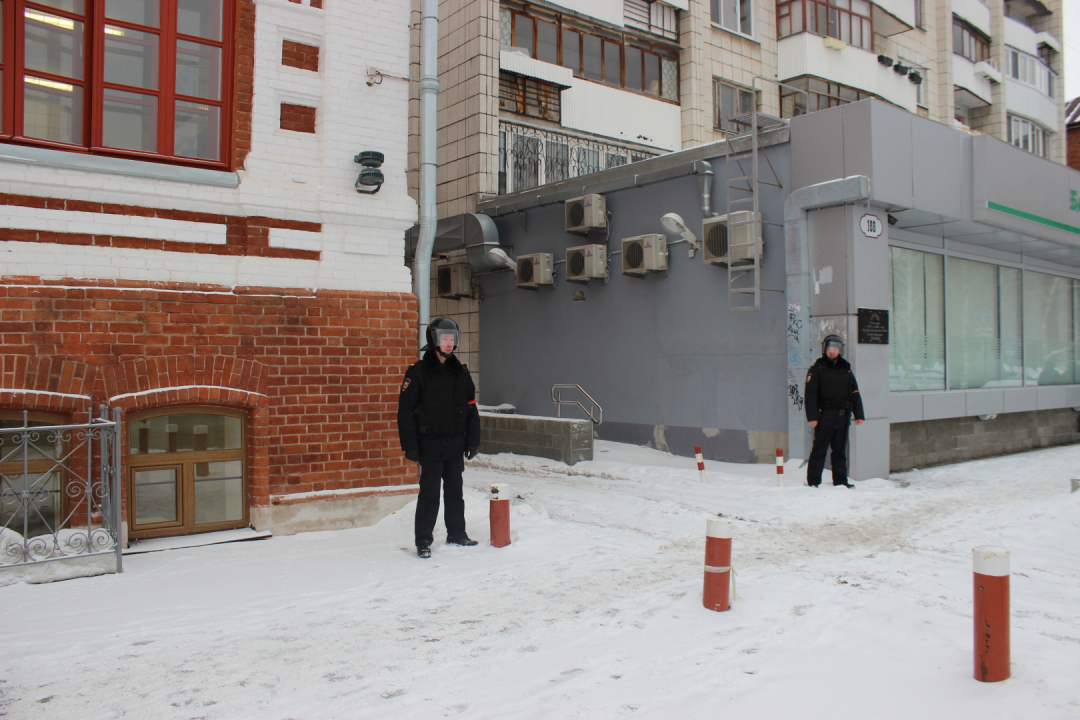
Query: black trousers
{"x":442,"y":461}
{"x":831,"y":433}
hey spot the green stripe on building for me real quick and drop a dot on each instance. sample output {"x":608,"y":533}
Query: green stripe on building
{"x":1033,"y":218}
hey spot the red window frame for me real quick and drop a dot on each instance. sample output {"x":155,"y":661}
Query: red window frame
{"x":94,"y":87}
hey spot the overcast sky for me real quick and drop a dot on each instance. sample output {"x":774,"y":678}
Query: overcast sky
{"x":1072,"y":48}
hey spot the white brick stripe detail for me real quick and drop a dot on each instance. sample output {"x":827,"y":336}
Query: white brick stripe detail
{"x":87,"y":223}
{"x":295,"y":239}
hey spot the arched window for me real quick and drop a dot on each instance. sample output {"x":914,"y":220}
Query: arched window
{"x":187,"y":471}
{"x":39,"y":480}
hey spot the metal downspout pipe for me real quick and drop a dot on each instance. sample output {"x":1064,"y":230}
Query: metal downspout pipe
{"x":429,"y":89}
{"x":706,"y":177}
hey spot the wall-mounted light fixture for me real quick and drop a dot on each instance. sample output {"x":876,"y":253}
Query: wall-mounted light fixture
{"x":915,"y":77}
{"x":371,"y":176}
{"x":901,"y":69}
{"x":885,"y":60}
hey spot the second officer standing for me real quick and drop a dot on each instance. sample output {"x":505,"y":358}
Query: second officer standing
{"x":439,"y":426}
{"x":832,"y":397}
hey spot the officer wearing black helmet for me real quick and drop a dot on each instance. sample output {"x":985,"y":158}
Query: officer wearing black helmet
{"x":439,"y":427}
{"x":832,"y":397}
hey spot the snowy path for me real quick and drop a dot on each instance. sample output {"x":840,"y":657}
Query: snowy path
{"x":852,"y":604}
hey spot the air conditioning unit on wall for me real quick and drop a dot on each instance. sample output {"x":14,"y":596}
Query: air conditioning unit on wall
{"x":644,"y":254}
{"x":734,"y":243}
{"x":535,"y":270}
{"x":586,"y":262}
{"x":454,"y":280}
{"x":588,"y":212}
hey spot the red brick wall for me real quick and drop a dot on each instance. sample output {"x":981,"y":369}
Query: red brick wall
{"x":243,"y":88}
{"x":298,"y":55}
{"x":1072,"y":147}
{"x":298,"y":118}
{"x":318,"y":372}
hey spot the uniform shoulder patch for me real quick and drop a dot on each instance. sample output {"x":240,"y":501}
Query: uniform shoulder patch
{"x":809,"y":376}
{"x":405,"y":385}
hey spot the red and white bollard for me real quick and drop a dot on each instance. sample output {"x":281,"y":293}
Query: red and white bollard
{"x":717,"y":565}
{"x":779,"y":467}
{"x":700,"y":462}
{"x":499,"y":515}
{"x":991,"y":565}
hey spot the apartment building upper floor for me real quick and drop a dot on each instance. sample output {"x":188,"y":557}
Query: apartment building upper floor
{"x":568,"y":87}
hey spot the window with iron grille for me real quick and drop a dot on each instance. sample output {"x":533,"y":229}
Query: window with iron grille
{"x":146,"y":78}
{"x":529,"y":96}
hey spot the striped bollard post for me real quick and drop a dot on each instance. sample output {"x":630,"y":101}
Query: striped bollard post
{"x":700,"y":462}
{"x":717,"y":565}
{"x":499,"y":514}
{"x":991,"y":565}
{"x":779,"y":467}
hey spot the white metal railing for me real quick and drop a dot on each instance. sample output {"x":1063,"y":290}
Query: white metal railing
{"x":594,"y":412}
{"x":530,"y":157}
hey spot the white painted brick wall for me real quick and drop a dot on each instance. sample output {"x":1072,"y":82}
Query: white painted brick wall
{"x":24,"y":218}
{"x":362,"y":240}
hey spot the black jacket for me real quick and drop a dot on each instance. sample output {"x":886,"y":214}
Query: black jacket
{"x":831,"y":385}
{"x":462,"y":406}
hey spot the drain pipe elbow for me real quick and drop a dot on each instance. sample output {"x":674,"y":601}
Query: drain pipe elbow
{"x":429,"y":90}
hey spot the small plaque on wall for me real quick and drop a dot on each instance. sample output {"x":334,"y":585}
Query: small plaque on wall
{"x":873,"y":327}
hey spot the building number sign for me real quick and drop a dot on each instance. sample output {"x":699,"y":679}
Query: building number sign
{"x":870,"y":226}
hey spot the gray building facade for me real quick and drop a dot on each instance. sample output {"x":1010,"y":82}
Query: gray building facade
{"x":966,"y":247}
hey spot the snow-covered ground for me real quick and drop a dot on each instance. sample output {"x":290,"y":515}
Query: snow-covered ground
{"x":851,"y":604}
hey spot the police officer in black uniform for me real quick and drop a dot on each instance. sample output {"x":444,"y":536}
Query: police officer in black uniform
{"x":439,"y":426}
{"x":832,"y":396}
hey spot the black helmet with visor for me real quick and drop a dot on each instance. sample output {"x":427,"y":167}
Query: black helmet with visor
{"x":439,"y":327}
{"x":832,"y":341}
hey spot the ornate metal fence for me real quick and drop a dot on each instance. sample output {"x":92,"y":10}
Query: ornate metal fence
{"x":530,"y":157}
{"x":60,"y":490}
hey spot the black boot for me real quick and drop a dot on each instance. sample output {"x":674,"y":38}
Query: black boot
{"x":423,"y":551}
{"x":463,"y":540}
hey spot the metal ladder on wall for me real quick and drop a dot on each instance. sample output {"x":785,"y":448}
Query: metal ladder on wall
{"x":594,"y":412}
{"x":744,"y":197}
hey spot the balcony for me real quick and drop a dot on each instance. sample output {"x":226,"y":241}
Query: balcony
{"x":971,"y":84}
{"x":599,"y":109}
{"x":806,"y":54}
{"x":530,"y":157}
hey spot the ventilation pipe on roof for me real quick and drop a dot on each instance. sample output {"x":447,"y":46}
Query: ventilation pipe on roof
{"x":429,"y":89}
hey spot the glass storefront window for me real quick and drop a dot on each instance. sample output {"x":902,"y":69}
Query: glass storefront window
{"x":917,"y":312}
{"x":985,"y":348}
{"x":1050,"y":346}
